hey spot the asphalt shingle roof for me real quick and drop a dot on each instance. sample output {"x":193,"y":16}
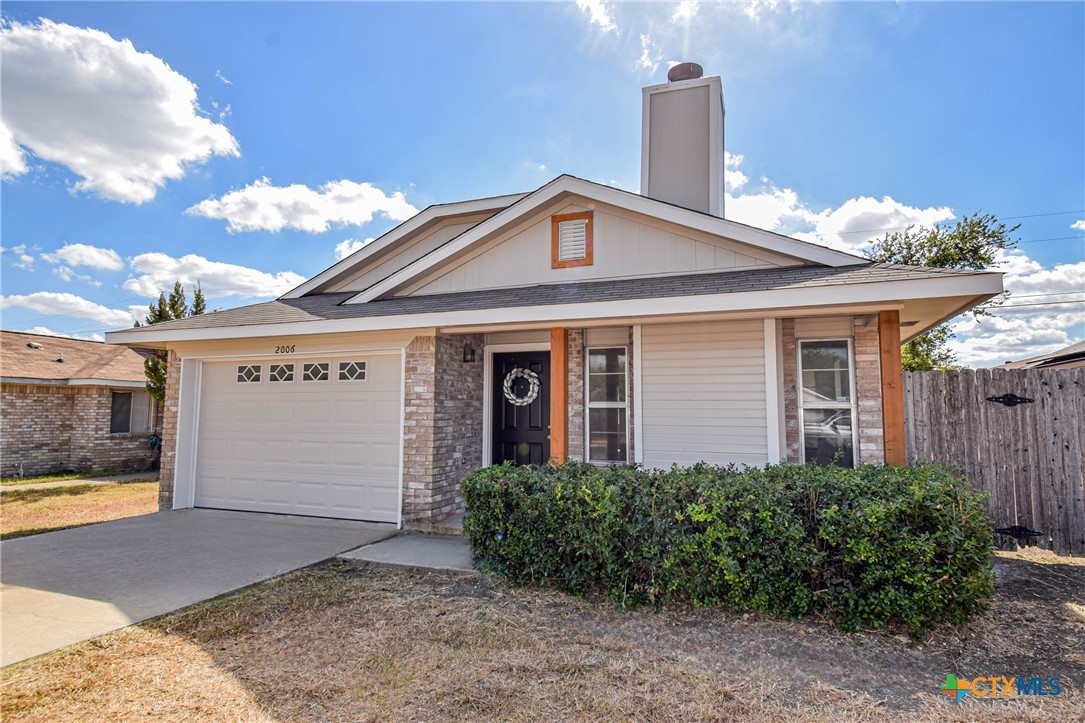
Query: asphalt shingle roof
{"x":82,"y":359}
{"x":321,"y":307}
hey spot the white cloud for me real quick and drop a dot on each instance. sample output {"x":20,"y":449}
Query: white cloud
{"x":848,"y":227}
{"x":220,"y":76}
{"x":66,"y":273}
{"x":685,"y":11}
{"x":650,"y":54}
{"x":1045,"y":311}
{"x":46,"y":331}
{"x":86,"y":255}
{"x":23,"y":259}
{"x":263,"y":207}
{"x":121,"y":119}
{"x":861,"y":220}
{"x":344,"y":249}
{"x":12,"y":158}
{"x":599,"y":14}
{"x":1078,"y":225}
{"x":54,"y":304}
{"x":733,"y":178}
{"x":157,"y":272}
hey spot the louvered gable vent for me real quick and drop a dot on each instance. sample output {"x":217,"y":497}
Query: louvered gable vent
{"x":572,"y":239}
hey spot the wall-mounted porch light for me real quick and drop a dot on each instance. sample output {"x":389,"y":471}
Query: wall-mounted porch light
{"x":468,"y":354}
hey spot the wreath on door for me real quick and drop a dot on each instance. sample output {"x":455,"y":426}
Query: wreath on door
{"x":532,"y":387}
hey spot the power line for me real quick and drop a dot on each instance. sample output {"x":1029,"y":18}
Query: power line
{"x":1038,"y":303}
{"x":904,"y":228}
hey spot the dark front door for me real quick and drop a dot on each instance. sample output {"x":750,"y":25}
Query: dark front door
{"x":521,"y":399}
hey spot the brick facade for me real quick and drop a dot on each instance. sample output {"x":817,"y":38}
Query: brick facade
{"x":576,"y":394}
{"x":868,"y":390}
{"x":52,"y":428}
{"x":169,"y":432}
{"x":442,"y":427}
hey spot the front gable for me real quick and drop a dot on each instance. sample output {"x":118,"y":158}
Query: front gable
{"x":643,"y":237}
{"x":621,"y":243}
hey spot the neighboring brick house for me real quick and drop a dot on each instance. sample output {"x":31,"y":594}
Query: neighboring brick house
{"x":68,"y":404}
{"x":577,"y":321}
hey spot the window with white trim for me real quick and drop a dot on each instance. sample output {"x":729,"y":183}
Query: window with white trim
{"x":827,"y":412}
{"x":248,"y":374}
{"x":607,"y":395}
{"x":352,"y":371}
{"x":315,"y":372}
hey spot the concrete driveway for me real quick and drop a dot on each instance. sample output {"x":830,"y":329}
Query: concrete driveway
{"x":62,"y":587}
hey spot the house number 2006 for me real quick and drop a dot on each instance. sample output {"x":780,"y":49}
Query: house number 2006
{"x":285,"y":349}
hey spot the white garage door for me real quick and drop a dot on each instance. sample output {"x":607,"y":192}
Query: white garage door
{"x":301,"y":436}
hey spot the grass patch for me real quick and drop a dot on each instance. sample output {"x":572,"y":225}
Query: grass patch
{"x":65,"y":476}
{"x":32,"y":511}
{"x":341,"y":641}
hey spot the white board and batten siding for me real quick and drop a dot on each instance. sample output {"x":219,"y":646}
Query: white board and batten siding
{"x":703,"y":394}
{"x":623,"y":243}
{"x":324,"y":448}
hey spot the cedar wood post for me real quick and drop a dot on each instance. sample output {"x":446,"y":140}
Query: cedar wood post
{"x":892,"y":387}
{"x":559,"y":395}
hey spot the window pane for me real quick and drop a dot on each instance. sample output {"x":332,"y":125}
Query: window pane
{"x":827,"y":436}
{"x":828,"y":385}
{"x":606,"y":435}
{"x":606,"y":375}
{"x":607,"y":361}
{"x":120,"y":412}
{"x":825,"y":373}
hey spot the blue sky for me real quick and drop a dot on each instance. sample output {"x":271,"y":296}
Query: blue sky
{"x":244,"y":143}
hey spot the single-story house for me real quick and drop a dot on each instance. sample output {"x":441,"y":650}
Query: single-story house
{"x":72,"y":404}
{"x":577,"y":321}
{"x":1070,"y":357}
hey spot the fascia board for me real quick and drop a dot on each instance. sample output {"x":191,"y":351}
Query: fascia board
{"x":749,"y":235}
{"x":777,"y":300}
{"x":74,"y":382}
{"x":430,"y":214}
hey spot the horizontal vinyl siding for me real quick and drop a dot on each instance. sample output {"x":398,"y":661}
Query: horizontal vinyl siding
{"x":823,"y":327}
{"x":703,"y":388}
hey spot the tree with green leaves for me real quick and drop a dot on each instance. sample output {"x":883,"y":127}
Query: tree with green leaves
{"x":973,"y":242}
{"x":175,"y":306}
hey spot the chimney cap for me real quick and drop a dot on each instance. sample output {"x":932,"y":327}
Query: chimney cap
{"x":684,"y":71}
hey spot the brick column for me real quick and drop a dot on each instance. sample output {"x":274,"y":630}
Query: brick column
{"x":868,"y":390}
{"x":168,"y":460}
{"x":576,"y":394}
{"x":791,"y":390}
{"x":419,"y":367}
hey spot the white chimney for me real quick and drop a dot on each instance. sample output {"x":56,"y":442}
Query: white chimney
{"x":682,"y":141}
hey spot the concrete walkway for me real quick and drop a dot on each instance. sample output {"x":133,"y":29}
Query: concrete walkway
{"x":62,"y":587}
{"x":426,"y":552}
{"x":150,"y":476}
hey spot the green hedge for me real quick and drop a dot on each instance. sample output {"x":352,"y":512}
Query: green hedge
{"x":866,"y":547}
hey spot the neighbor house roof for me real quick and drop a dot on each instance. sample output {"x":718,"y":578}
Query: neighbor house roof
{"x":647,"y":293}
{"x":1070,"y":357}
{"x":30,"y":358}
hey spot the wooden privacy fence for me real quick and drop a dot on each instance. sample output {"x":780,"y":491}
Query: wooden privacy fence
{"x":1029,"y":457}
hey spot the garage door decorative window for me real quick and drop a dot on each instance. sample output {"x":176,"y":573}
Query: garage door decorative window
{"x":248,"y":373}
{"x":315,"y":372}
{"x":282,"y":373}
{"x":352,"y":371}
{"x":529,"y":394}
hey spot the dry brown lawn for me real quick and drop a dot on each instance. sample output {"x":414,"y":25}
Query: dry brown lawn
{"x":30,"y":511}
{"x":341,"y":641}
